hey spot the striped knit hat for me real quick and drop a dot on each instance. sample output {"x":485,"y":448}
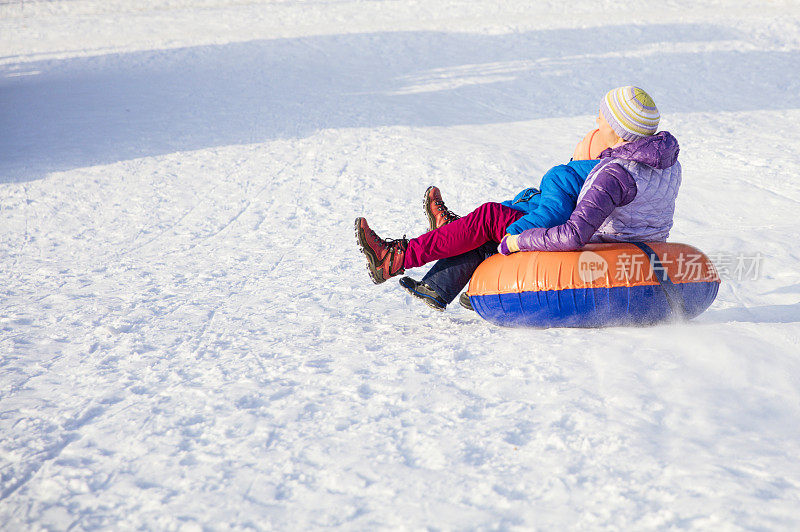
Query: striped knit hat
{"x":630,"y":112}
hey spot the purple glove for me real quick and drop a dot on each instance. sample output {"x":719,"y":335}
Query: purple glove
{"x":503,"y":247}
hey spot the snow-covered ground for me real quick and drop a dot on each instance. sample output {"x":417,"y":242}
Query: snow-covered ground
{"x":189,"y":338}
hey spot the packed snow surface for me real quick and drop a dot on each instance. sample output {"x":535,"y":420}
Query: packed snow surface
{"x":189,"y":338}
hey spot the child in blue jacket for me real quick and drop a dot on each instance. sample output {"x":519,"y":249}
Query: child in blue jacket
{"x":554,"y":199}
{"x":548,"y":206}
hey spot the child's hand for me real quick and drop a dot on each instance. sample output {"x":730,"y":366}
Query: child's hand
{"x":508,"y":245}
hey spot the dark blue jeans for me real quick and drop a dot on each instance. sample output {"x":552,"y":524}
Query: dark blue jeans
{"x":449,"y":276}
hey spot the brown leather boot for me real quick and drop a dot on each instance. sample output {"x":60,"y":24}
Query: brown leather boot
{"x":384,"y":257}
{"x":438,"y":214}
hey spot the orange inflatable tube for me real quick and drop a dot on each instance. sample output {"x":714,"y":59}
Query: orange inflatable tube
{"x":602,"y":284}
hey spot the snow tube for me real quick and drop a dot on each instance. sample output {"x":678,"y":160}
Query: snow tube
{"x":600,"y":285}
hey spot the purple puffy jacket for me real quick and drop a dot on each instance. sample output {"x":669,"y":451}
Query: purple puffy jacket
{"x":628,"y":197}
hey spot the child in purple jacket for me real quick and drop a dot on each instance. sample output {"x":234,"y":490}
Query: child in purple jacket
{"x":629,"y":196}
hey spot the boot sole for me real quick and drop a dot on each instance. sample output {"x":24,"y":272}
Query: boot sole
{"x":426,"y":204}
{"x":376,"y":277}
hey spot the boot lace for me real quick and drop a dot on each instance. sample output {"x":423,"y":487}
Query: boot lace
{"x":447,"y":213}
{"x":401,"y":243}
{"x":392,"y":245}
{"x":389,"y":243}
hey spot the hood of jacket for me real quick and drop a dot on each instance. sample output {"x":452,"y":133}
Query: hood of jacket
{"x":658,"y":151}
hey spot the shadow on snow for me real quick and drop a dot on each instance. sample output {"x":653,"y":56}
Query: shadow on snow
{"x":62,"y":114}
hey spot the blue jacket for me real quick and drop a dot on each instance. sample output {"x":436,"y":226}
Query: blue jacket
{"x":553,"y":202}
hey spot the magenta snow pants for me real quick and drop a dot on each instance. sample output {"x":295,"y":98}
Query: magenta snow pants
{"x":486,"y":223}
